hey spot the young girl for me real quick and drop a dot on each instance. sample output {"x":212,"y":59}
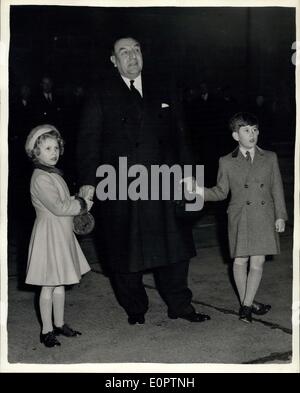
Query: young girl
{"x":256,"y":211}
{"x":55,"y":258}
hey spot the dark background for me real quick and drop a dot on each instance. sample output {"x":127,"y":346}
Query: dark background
{"x":246,"y":50}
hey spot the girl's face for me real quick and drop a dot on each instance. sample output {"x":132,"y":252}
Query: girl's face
{"x":49,"y":152}
{"x":247,"y":136}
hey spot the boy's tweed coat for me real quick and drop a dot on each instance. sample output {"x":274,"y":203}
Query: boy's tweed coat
{"x":257,"y":200}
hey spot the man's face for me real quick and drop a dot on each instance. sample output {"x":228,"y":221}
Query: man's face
{"x":247,"y":136}
{"x":46,"y":85}
{"x":128,"y":57}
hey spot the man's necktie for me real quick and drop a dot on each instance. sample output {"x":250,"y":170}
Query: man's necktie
{"x":248,"y":156}
{"x":135,"y":92}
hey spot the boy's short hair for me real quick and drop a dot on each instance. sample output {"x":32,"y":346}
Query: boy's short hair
{"x":242,"y":119}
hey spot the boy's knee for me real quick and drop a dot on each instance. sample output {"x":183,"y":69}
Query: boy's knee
{"x":241,"y":261}
{"x":257,"y":262}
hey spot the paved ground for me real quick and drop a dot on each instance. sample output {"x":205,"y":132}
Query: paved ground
{"x":109,"y":343}
{"x":108,"y":338}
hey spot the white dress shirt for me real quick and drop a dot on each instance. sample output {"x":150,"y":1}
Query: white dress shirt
{"x":251,"y":151}
{"x":137,"y":83}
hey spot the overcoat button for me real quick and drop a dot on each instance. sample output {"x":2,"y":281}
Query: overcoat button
{"x":248,"y":203}
{"x":262,"y":185}
{"x":246,"y":186}
{"x":263,"y":202}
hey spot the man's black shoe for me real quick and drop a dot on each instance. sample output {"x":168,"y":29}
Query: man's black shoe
{"x":137,"y":318}
{"x":192,"y":317}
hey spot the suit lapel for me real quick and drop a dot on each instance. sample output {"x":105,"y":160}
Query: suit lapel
{"x":131,"y":111}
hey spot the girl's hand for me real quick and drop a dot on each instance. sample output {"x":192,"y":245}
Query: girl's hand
{"x":89,"y":204}
{"x":279,"y":225}
{"x":87,"y":192}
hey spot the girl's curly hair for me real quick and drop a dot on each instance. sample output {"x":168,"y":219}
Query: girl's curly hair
{"x":35,"y":152}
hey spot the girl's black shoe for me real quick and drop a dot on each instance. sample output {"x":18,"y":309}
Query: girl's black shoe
{"x":49,"y":340}
{"x":66,"y":330}
{"x":246,"y":314}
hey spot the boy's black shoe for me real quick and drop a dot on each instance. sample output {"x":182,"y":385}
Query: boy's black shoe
{"x":260,"y":308}
{"x":49,"y":339}
{"x":246,"y":314}
{"x":66,"y":330}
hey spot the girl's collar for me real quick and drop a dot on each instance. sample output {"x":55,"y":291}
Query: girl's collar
{"x":49,"y":169}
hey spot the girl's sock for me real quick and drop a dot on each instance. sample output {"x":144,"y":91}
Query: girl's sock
{"x":59,"y":305}
{"x":46,"y":309}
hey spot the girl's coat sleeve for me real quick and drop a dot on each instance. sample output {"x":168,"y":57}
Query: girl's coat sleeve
{"x":45,"y":190}
{"x":221,"y":190}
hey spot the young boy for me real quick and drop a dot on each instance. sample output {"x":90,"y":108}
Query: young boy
{"x":256,"y":211}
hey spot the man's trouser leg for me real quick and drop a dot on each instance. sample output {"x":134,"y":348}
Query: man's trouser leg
{"x":130,"y":292}
{"x":172,"y":282}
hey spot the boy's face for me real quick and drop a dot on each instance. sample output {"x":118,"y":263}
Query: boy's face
{"x":49,"y":152}
{"x":246,"y":136}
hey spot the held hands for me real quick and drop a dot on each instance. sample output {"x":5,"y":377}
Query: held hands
{"x":87,"y":192}
{"x":89,"y":204}
{"x":192,"y":186}
{"x":279,"y":225}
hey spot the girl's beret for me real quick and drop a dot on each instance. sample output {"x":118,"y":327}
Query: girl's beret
{"x":37,"y":132}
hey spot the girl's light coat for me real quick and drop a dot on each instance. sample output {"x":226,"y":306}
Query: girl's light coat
{"x":55,"y":257}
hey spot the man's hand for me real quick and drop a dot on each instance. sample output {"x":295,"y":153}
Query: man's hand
{"x":279,"y":225}
{"x":192,"y":186}
{"x":87,"y":192}
{"x":89,"y":204}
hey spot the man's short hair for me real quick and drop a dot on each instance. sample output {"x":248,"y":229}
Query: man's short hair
{"x":121,"y":38}
{"x":242,"y":119}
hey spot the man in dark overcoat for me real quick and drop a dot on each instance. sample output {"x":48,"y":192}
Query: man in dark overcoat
{"x":133,"y":116}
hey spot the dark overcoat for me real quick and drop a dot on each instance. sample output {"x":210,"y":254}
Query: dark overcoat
{"x":257,"y":200}
{"x":142,"y":234}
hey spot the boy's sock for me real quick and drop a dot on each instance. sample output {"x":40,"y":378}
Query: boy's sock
{"x":59,"y":305}
{"x":253,"y":281}
{"x":240,"y":276}
{"x":46,"y":309}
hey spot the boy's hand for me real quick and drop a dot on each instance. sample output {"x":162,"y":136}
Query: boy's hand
{"x":279,"y":225}
{"x":192,"y":186}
